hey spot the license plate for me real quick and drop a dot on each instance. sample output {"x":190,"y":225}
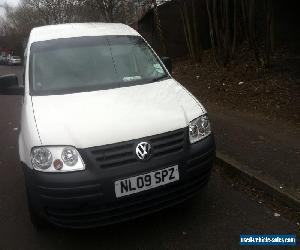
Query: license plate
{"x":147,"y":181}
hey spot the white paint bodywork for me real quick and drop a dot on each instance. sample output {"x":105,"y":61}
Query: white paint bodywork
{"x":101,"y":117}
{"x":69,"y":30}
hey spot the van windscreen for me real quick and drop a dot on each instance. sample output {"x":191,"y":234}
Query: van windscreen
{"x":81,"y":64}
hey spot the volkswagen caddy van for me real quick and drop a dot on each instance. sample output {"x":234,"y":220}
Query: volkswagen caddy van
{"x":106,"y":133}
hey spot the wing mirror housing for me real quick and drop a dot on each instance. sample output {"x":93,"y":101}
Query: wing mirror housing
{"x":9,"y":85}
{"x":168,"y":63}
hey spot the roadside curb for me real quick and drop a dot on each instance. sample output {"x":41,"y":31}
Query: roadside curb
{"x":269,"y":185}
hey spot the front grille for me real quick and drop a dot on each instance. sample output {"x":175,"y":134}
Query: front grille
{"x":70,"y":196}
{"x":129,"y":208}
{"x":120,"y":154}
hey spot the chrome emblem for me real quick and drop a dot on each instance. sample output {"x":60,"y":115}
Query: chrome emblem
{"x":143,"y":151}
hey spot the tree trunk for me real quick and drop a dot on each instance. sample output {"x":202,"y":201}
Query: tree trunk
{"x":211,"y":32}
{"x":158,"y":27}
{"x":234,"y":28}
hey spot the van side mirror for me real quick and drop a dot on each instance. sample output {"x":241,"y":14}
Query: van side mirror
{"x":9,"y":85}
{"x":168,"y":63}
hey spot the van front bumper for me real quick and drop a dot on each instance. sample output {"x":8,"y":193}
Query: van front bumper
{"x":87,"y":198}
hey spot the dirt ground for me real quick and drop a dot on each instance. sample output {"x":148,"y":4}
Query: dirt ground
{"x":242,"y":86}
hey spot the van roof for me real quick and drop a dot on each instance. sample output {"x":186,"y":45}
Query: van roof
{"x":69,"y":30}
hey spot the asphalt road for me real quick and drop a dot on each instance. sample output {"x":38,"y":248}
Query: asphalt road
{"x":213,"y":219}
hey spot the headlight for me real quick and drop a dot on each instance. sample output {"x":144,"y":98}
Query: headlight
{"x":56,"y":159}
{"x":69,"y":156}
{"x":199,"y":129}
{"x":41,"y":158}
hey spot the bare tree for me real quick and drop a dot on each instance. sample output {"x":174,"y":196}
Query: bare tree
{"x":222,"y":39}
{"x":32,"y":13}
{"x":258,"y":22}
{"x":190,"y":18}
{"x":159,"y":28}
{"x":108,"y":10}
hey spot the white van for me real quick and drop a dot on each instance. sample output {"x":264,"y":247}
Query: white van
{"x":106,"y":133}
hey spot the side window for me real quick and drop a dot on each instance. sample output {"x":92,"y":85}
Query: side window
{"x":24,"y":69}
